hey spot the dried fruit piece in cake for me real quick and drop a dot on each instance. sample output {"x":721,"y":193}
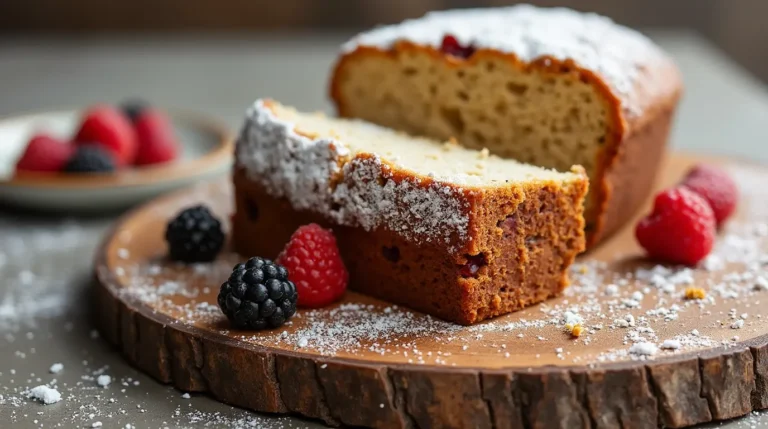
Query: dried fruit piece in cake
{"x":315,"y":266}
{"x":550,"y":87}
{"x":717,"y":187}
{"x":44,"y":153}
{"x":258,"y":295}
{"x":156,"y":137}
{"x":194,"y":235}
{"x":450,"y":231}
{"x":680,"y":229}
{"x":451,"y":46}
{"x":90,"y":159}
{"x":110,"y":128}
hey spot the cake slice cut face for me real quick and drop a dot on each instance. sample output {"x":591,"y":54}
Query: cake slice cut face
{"x":550,"y":87}
{"x":454,"y":232}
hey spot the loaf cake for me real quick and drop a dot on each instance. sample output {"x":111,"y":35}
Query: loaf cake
{"x":549,"y":87}
{"x":453,"y":232}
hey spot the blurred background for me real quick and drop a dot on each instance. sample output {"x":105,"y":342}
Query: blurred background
{"x":214,"y":57}
{"x":738,"y":27}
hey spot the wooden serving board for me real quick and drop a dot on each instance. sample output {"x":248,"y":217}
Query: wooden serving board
{"x":364,"y":362}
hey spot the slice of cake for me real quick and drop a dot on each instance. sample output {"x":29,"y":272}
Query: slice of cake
{"x":550,"y":87}
{"x":453,"y":232}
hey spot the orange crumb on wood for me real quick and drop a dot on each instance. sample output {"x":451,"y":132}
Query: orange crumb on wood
{"x":695,"y":293}
{"x":575,"y":330}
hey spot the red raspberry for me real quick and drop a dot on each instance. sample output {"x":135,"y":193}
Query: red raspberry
{"x":157,"y":141}
{"x":451,"y":46}
{"x":315,"y":266}
{"x":681,"y":228}
{"x":44,"y":153}
{"x":717,"y":187}
{"x":109,"y":128}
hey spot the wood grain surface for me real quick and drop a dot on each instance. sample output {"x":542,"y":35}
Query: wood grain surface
{"x":158,"y":314}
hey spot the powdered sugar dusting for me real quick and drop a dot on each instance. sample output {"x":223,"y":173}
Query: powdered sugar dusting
{"x":364,"y":193}
{"x":406,"y":206}
{"x":354,"y":327}
{"x":617,"y":53}
{"x":286,"y":164}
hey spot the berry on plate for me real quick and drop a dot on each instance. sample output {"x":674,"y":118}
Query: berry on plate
{"x":111,"y":129}
{"x":44,"y":153}
{"x":717,"y":187}
{"x":195,"y":235}
{"x":258,"y":295}
{"x":90,"y":159}
{"x":133,"y":108}
{"x":315,"y":266}
{"x":680,"y":229}
{"x":157,"y":141}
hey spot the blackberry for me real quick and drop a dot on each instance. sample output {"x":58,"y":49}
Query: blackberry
{"x":133,"y":108}
{"x":258,"y":295}
{"x":195,"y":235}
{"x":90,"y":159}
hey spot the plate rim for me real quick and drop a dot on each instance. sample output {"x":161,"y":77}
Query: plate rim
{"x":137,"y":176}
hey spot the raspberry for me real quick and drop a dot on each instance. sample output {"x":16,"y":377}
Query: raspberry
{"x":109,"y":128}
{"x":680,"y":229}
{"x":258,"y":295}
{"x":44,"y":153}
{"x":195,"y":235}
{"x":451,"y":46}
{"x":315,"y":266}
{"x":90,"y":159}
{"x":717,"y":187}
{"x":157,"y":141}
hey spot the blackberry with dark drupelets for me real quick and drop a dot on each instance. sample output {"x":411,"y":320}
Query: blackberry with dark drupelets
{"x":90,"y":159}
{"x":195,"y":235}
{"x":258,"y":295}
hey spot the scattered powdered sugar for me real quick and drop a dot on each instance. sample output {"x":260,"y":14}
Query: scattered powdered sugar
{"x":643,"y":349}
{"x":56,"y":368}
{"x":352,"y":328}
{"x":620,"y":55}
{"x":671,"y":344}
{"x":104,"y":380}
{"x":34,"y":289}
{"x":45,"y":394}
{"x":571,"y":318}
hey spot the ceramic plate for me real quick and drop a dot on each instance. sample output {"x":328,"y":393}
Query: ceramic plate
{"x":206,"y":152}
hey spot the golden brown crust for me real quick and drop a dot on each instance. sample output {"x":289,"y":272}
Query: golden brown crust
{"x":630,"y":177}
{"x":527,"y":238}
{"x":632,"y":129}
